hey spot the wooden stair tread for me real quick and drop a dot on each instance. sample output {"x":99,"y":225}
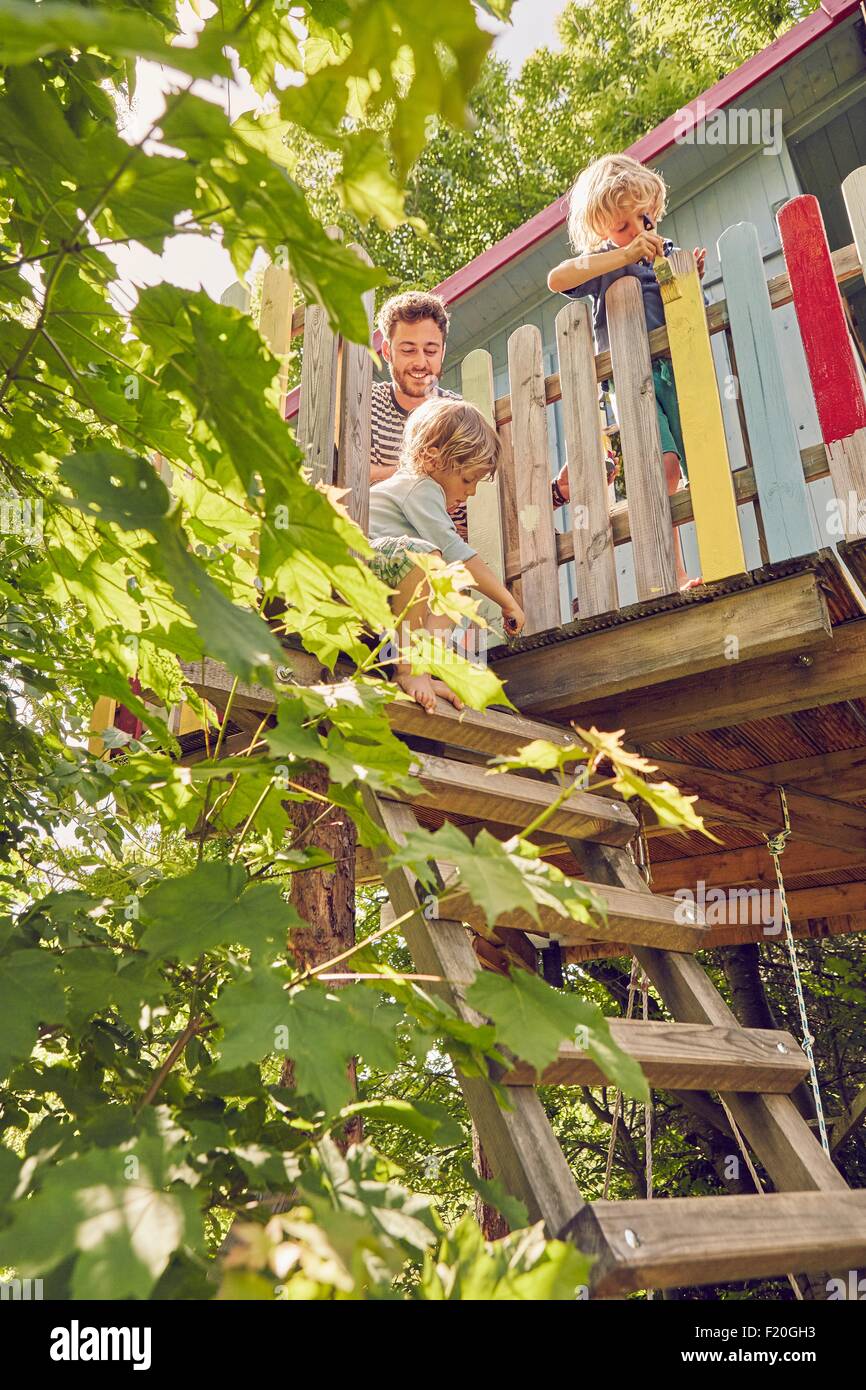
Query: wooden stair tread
{"x":682,"y":1241}
{"x":634,"y":918}
{"x":491,"y":731}
{"x":684,"y":1057}
{"x":469,"y":790}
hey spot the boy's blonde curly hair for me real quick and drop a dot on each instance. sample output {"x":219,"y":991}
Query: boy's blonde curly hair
{"x":605,"y":188}
{"x":450,"y":434}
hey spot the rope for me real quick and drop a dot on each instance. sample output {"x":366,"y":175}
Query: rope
{"x":648,"y":1109}
{"x":759,"y":1186}
{"x":632,"y":986}
{"x":776,"y":845}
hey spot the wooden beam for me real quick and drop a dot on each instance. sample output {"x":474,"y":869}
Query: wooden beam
{"x":751,"y":865}
{"x":683,"y":1056}
{"x":830,"y":901}
{"x":639,"y":918}
{"x":819,"y":819}
{"x":812,"y":929}
{"x":468,"y":790}
{"x":491,"y":731}
{"x":841,"y":775}
{"x":714,"y":1240}
{"x":737,"y":692}
{"x":786,"y":615}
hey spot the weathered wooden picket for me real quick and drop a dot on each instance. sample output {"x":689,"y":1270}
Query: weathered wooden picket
{"x":517,"y":535}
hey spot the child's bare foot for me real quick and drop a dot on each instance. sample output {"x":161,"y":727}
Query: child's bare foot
{"x":447,"y":694}
{"x":690,"y":584}
{"x":421,"y":688}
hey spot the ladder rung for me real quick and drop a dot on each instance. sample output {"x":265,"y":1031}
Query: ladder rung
{"x":684,"y":1057}
{"x":468,"y":790}
{"x":681,"y":1241}
{"x":634,"y":918}
{"x":490,"y":731}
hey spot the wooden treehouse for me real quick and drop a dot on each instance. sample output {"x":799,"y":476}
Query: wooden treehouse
{"x":754,"y":681}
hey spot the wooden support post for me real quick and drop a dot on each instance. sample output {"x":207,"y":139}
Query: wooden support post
{"x":710,"y":483}
{"x":275,"y":320}
{"x":483,"y":511}
{"x":836,"y":383}
{"x":356,"y":386}
{"x":775,"y":452}
{"x":845,"y":1123}
{"x":536,"y":533}
{"x":316,"y":427}
{"x":649,"y":511}
{"x":594,"y":564}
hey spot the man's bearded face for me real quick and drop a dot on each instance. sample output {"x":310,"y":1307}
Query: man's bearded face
{"x":414,"y":356}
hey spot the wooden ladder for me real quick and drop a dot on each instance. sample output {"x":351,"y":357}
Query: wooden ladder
{"x":812,"y":1222}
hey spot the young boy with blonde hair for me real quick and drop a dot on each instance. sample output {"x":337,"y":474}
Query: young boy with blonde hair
{"x":614,"y":209}
{"x":448,"y":449}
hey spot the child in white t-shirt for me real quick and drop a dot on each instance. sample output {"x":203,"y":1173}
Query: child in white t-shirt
{"x":448,"y":449}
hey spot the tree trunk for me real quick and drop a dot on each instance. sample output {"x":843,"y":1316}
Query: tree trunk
{"x":493,"y":1224}
{"x":749,"y":1001}
{"x":741,"y":965}
{"x":325,"y":898}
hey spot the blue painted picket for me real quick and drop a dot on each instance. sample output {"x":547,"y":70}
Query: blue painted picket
{"x":772,"y":435}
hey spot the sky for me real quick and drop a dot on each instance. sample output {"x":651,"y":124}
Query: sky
{"x":195,"y":262}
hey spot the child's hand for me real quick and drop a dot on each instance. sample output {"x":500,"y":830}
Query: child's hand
{"x":513,"y":618}
{"x":701,"y":258}
{"x":645,"y":247}
{"x":561,"y":481}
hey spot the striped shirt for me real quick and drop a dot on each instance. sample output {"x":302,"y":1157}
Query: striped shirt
{"x":388,"y":422}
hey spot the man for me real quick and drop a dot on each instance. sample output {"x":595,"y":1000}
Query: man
{"x":414,"y":328}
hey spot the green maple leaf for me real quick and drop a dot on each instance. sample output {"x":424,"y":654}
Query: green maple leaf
{"x":251,"y":1010}
{"x":30,"y":995}
{"x":533,"y":1019}
{"x":96,"y":979}
{"x":431,"y":1122}
{"x":328,"y":1028}
{"x":211,"y":907}
{"x":115,"y":1210}
{"x":33,"y":31}
{"x":500,"y":877}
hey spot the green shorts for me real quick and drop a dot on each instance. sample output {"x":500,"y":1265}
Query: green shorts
{"x":393,"y":558}
{"x":668,"y":411}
